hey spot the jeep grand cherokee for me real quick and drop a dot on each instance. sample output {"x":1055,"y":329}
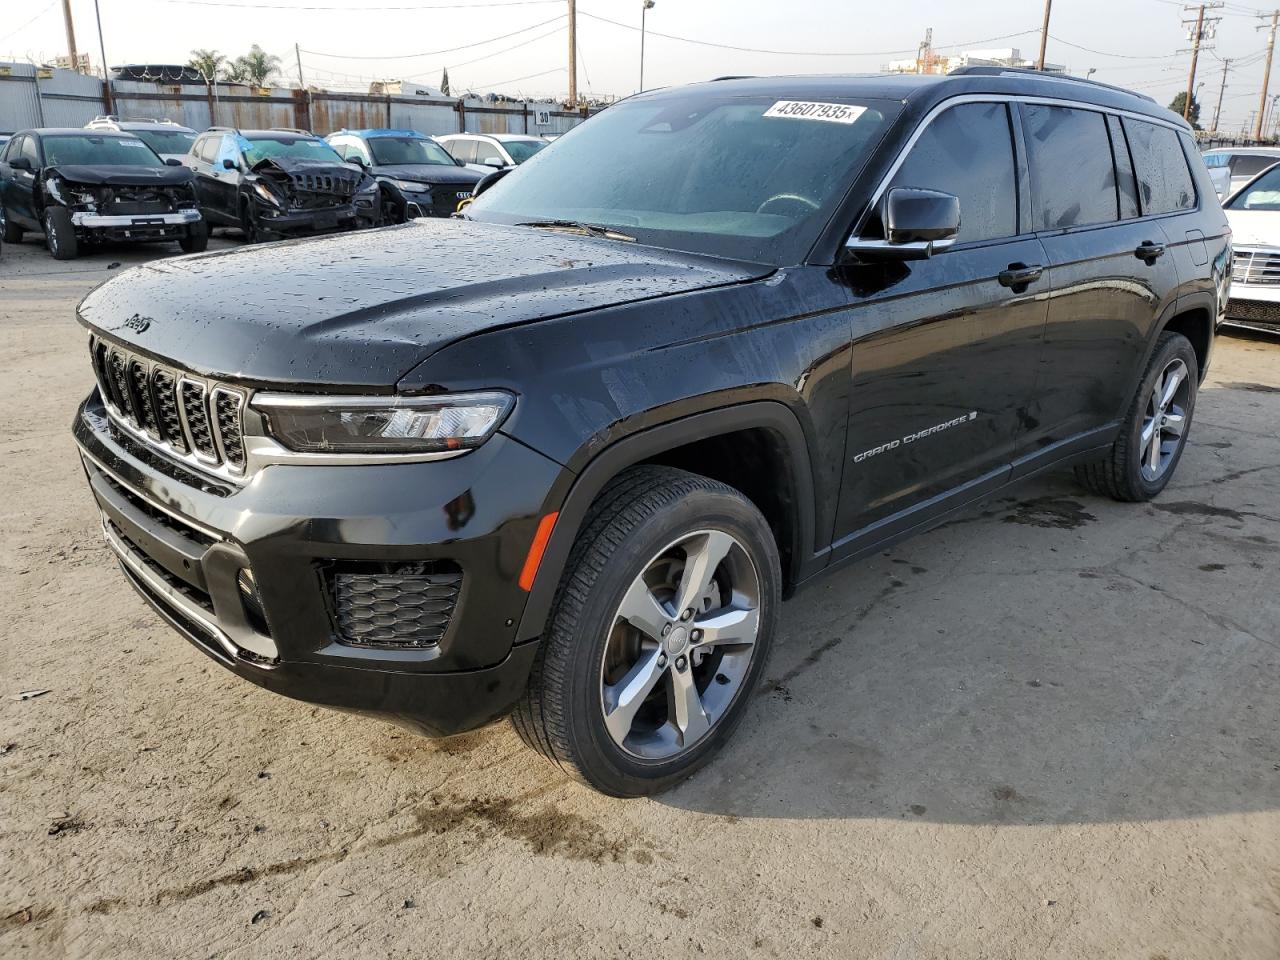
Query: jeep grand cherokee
{"x":565,"y":457}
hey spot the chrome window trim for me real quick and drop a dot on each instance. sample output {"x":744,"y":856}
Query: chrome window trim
{"x":1006,"y":98}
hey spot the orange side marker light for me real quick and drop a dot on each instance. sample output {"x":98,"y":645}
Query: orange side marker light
{"x":534,"y":558}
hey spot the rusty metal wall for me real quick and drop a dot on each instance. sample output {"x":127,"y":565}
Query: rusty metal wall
{"x":70,"y":99}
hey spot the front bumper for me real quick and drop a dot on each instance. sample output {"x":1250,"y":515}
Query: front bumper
{"x":155,"y":226}
{"x":1254,"y":306}
{"x":296,"y":221}
{"x":183,"y":540}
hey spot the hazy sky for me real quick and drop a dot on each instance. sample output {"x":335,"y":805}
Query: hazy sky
{"x":1132,"y":42}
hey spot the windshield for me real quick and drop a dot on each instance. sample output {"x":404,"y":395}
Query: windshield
{"x":1262,"y":194}
{"x":99,"y":151}
{"x":259,"y":148}
{"x":706,"y":172}
{"x":388,"y":151}
{"x":167,"y":141}
{"x":522,"y":150}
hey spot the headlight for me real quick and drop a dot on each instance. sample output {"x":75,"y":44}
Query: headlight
{"x":411,"y":187}
{"x":402,"y":425}
{"x":68,"y":195}
{"x":267,"y":194}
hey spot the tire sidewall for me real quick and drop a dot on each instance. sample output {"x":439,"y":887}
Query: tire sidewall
{"x":1176,"y":347}
{"x":604,"y":762}
{"x":59,"y":232}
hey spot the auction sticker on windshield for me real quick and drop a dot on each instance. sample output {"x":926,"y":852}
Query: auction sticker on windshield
{"x":809,"y":110}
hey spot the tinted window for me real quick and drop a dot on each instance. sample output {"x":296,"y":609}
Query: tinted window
{"x":489,"y":152}
{"x":1164,"y":180}
{"x":1262,"y":194}
{"x":208,"y":149}
{"x":394,"y":150}
{"x":968,"y":151}
{"x":1073,"y":181}
{"x":167,"y":141}
{"x":464,"y":150}
{"x":31,"y":150}
{"x":1248,"y":165}
{"x":1124,"y":171}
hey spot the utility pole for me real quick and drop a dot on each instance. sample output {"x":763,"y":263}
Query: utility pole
{"x":1217,"y":111}
{"x":1266,"y":73}
{"x":645,"y":7}
{"x":106,"y":71}
{"x":1044,"y":33}
{"x":573,"y":54}
{"x":71,"y":35}
{"x":302,"y":86}
{"x":1200,"y":31}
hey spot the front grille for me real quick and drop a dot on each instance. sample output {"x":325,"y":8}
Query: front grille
{"x":1256,"y":266}
{"x":324,"y":183}
{"x":1255,"y":310}
{"x":181,"y":414}
{"x":405,"y":606}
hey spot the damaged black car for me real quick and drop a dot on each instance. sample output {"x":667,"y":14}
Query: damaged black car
{"x":417,"y":176}
{"x":274,"y":183}
{"x":79,"y":187}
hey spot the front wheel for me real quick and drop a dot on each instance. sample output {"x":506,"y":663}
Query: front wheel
{"x":1141,"y":462}
{"x":60,"y":234}
{"x":197,"y":238}
{"x":659,"y":632}
{"x":249,"y":223}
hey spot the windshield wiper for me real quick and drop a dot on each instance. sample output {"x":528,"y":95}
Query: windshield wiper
{"x":575,"y":226}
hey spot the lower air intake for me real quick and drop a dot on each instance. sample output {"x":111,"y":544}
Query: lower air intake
{"x":404,"y":606}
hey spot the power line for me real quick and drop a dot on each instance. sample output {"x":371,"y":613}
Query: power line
{"x":1104,"y":53}
{"x":800,"y":53}
{"x":499,"y":83}
{"x":29,"y":22}
{"x":232,"y":4}
{"x":434,"y":53}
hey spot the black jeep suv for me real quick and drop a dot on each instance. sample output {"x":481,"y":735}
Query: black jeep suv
{"x":86,"y":186}
{"x":565,"y":456}
{"x":272,"y":183}
{"x":417,"y":176}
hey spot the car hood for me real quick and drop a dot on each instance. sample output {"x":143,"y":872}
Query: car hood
{"x":429,"y":173}
{"x":121,"y":175}
{"x":359,"y":310}
{"x":1254,"y":228}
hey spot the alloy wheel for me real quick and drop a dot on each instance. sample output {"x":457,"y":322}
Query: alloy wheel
{"x":1165,"y":423}
{"x":680,"y":645}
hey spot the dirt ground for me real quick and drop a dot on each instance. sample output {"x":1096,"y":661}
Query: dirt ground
{"x":1048,"y":729}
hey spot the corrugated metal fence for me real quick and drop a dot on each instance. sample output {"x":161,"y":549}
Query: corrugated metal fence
{"x":31,"y":97}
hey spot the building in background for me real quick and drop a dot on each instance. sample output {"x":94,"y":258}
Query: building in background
{"x":929,"y":60}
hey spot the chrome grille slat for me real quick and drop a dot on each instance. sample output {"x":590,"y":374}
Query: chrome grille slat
{"x":193,"y":420}
{"x":1253,"y":266}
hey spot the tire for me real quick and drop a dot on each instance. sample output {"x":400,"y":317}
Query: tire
{"x":1129,"y":472}
{"x":249,"y":223}
{"x":197,"y":238}
{"x":12,"y":233}
{"x":653,"y":519}
{"x":60,"y":233}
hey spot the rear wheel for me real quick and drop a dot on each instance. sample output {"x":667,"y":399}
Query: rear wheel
{"x":1141,"y":462}
{"x":60,"y":233}
{"x":197,"y":238}
{"x":659,"y":632}
{"x":10,"y":232}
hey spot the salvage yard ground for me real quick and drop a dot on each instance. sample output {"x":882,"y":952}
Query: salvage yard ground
{"x":1050,"y":728}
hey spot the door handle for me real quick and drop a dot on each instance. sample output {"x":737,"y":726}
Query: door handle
{"x":1019,"y":276}
{"x":1149,"y":251}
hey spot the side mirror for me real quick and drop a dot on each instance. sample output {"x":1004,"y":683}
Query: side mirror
{"x":20,"y":163}
{"x":917,"y":224}
{"x":228,"y":163}
{"x":358,"y":161}
{"x":493,"y":162}
{"x":460,"y":163}
{"x":488,"y":180}
{"x":173,"y":162}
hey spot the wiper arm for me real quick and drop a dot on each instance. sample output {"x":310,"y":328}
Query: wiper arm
{"x":575,"y":226}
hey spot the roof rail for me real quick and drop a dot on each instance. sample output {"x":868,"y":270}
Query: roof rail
{"x":223,"y":129}
{"x":171,"y":123}
{"x":734,"y":76}
{"x":307,"y":133}
{"x":104,"y":118}
{"x":1042,"y":75}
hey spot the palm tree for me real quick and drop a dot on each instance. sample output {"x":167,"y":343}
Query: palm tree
{"x":256,"y":66}
{"x":207,"y":63}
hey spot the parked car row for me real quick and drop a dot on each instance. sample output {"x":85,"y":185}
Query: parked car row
{"x":142,"y":179}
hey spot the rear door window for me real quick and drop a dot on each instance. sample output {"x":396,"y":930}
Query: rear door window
{"x":967,"y":151}
{"x":1073,"y":177}
{"x":1164,"y":179}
